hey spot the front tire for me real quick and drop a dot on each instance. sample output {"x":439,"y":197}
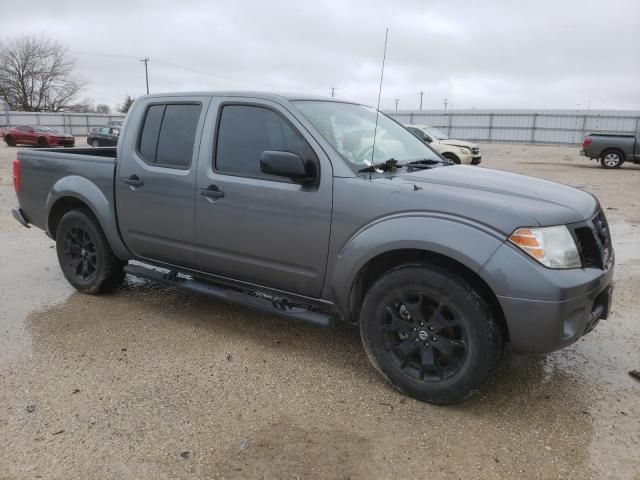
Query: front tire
{"x":42,"y":142}
{"x":430,"y":333}
{"x":451,"y":157}
{"x":611,"y":159}
{"x":95,"y":143}
{"x":84,"y":254}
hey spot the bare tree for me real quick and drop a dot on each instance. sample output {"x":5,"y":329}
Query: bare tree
{"x":103,"y":108}
{"x":37,"y":75}
{"x":86,"y":105}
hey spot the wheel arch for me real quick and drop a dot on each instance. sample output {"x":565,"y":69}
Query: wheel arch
{"x":73,"y":192}
{"x":453,"y":242}
{"x":450,"y":155}
{"x":382,"y":263}
{"x":617,"y":150}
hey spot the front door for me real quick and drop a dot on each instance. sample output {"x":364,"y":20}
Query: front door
{"x":155,"y":181}
{"x":259,"y":228}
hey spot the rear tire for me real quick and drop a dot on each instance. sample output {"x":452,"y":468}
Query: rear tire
{"x":612,"y":159}
{"x":85,"y":256}
{"x":430,"y":333}
{"x":95,"y":143}
{"x":452,"y":157}
{"x":10,"y":141}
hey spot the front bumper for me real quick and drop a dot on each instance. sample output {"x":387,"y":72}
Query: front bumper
{"x":62,"y":142}
{"x":547,"y":309}
{"x":470,"y":158}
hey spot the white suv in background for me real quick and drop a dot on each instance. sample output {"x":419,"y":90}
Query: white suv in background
{"x":458,"y":151}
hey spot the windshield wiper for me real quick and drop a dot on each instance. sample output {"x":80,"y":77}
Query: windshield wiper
{"x":426,"y":162}
{"x":391,"y":165}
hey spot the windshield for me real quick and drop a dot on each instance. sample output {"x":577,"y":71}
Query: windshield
{"x":435,"y":133}
{"x":350,"y":128}
{"x":45,"y":129}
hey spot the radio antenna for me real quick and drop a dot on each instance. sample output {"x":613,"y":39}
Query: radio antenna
{"x":375,"y":130}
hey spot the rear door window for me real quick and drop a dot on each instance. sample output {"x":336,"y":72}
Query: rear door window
{"x":168,"y":135}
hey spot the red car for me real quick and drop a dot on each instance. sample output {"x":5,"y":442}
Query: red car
{"x":37,"y":136}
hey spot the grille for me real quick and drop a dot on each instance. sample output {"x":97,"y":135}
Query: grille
{"x":594,"y":241}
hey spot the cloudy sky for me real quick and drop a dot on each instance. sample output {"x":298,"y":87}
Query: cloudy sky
{"x":476,"y":54}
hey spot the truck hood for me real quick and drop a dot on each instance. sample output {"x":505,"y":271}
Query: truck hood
{"x":502,"y":200}
{"x":459,"y":143}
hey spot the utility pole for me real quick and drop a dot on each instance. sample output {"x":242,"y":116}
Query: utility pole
{"x":397,"y":100}
{"x":333,"y":92}
{"x":446,"y":102}
{"x":146,"y":71}
{"x":421,"y":94}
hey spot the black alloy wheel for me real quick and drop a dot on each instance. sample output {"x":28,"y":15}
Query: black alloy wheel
{"x":424,"y":336}
{"x":80,"y":253}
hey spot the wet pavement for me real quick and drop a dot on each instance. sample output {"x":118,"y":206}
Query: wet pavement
{"x":153,"y":382}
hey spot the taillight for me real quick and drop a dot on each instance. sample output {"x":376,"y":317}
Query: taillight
{"x":16,"y":175}
{"x":586,"y":142}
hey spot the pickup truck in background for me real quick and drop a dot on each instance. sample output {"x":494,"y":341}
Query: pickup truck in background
{"x":611,"y":150}
{"x":285,"y":205}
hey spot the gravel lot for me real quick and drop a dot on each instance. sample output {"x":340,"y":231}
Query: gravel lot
{"x":152,"y":382}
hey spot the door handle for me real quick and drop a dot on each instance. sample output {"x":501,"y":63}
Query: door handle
{"x":133,"y":180}
{"x":212,"y":191}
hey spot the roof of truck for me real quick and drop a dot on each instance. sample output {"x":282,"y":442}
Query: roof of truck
{"x":255,"y":94}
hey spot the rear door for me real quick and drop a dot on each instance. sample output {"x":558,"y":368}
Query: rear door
{"x":261,"y":229}
{"x":156,"y":177}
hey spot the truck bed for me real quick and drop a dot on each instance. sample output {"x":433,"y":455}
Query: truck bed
{"x":46,"y":171}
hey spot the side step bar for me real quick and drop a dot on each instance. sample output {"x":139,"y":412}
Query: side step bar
{"x":255,"y":300}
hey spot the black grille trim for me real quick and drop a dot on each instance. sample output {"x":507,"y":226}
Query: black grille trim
{"x":594,"y":241}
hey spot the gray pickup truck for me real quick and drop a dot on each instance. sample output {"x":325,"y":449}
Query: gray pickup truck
{"x":611,"y":150}
{"x":286,"y":205}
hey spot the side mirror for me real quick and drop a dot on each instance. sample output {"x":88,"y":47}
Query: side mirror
{"x":427,"y":138}
{"x":285,"y":164}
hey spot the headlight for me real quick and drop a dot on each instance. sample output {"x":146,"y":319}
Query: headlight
{"x":465,"y":150}
{"x":553,"y":247}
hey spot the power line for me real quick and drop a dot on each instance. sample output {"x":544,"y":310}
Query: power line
{"x":200,"y":71}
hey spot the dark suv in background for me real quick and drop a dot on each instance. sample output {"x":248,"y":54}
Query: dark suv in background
{"x":106,"y":136}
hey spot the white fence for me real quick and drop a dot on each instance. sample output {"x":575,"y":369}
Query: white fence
{"x":524,"y":126}
{"x":73,"y":123}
